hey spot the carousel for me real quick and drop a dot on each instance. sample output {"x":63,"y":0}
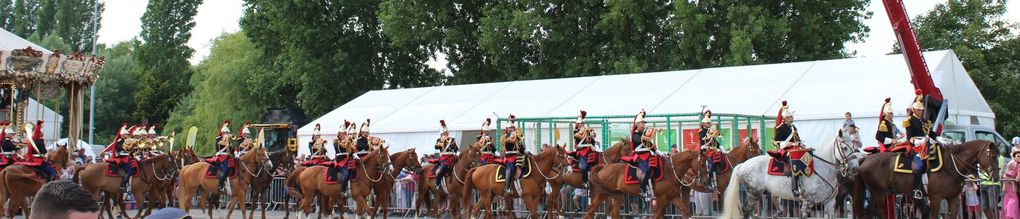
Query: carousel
{"x":30,"y":73}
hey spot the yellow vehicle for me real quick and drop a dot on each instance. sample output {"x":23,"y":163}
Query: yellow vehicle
{"x":279,"y":136}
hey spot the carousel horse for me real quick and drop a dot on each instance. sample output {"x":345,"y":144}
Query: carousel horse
{"x":950,"y":166}
{"x":489,"y":180}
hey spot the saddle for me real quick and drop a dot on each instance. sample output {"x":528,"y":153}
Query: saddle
{"x":934,"y":162}
{"x":332,"y":175}
{"x":318,"y":161}
{"x":524,"y":170}
{"x":799,"y":162}
{"x":592,"y":161}
{"x":633,"y":159}
{"x":718,"y":158}
{"x":655,"y":171}
{"x":210,"y":172}
{"x":113,"y":164}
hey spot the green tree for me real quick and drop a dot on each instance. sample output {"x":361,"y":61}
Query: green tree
{"x":25,"y":17}
{"x":976,"y":32}
{"x":220,"y":91}
{"x":115,"y":83}
{"x":162,"y":66}
{"x":334,"y":50}
{"x":46,"y":17}
{"x":74,"y":22}
{"x":6,"y":15}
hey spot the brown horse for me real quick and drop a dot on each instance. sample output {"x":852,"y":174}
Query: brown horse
{"x":958,"y":161}
{"x":192,"y":178}
{"x":609,"y":181}
{"x":20,"y":182}
{"x":182,"y":157}
{"x":748,"y":148}
{"x":611,"y":155}
{"x":107,"y":188}
{"x":369,"y":170}
{"x":546,"y":165}
{"x":431,"y":198}
{"x":401,"y":160}
{"x":264,"y":178}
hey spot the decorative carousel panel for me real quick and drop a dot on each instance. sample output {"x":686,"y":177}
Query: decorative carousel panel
{"x":29,"y":67}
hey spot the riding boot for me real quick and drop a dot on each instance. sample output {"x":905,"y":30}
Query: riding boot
{"x":221,"y":180}
{"x":918,"y":190}
{"x":509,"y":180}
{"x":584,"y":178}
{"x":645,"y":185}
{"x":796,"y":186}
{"x":124,"y":186}
{"x":439,"y":176}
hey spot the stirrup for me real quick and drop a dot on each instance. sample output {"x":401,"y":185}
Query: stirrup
{"x":918,"y":194}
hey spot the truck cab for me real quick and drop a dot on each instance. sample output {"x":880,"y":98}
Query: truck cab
{"x":963,"y":133}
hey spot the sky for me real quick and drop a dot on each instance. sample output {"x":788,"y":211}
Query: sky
{"x":122,"y":21}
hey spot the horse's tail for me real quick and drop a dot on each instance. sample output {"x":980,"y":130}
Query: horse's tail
{"x":732,"y":205}
{"x":469,"y":186}
{"x":857,"y":198}
{"x":293,"y":185}
{"x":77,"y":171}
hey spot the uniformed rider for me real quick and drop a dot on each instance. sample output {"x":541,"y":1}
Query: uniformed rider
{"x":488,"y":149}
{"x":786,"y":139}
{"x":641,"y":149}
{"x":316,"y":147}
{"x":513,"y":147}
{"x":888,"y":135}
{"x":224,"y":154}
{"x":447,"y":148}
{"x":342,"y":160}
{"x":361,"y":144}
{"x":7,"y":144}
{"x":244,"y":140}
{"x":120,"y":157}
{"x":707,"y":137}
{"x":584,"y":139}
{"x":920,"y":135}
{"x":37,"y":152}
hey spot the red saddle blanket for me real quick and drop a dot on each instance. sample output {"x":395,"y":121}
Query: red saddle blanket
{"x":333,"y":174}
{"x":656,"y":171}
{"x":593,"y":159}
{"x":798,"y":163}
{"x":210,"y":172}
{"x":113,"y":170}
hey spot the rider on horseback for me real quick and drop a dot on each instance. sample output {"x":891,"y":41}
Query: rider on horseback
{"x":244,"y":141}
{"x":342,"y":161}
{"x":361,"y":142}
{"x":447,"y":148}
{"x":641,"y":152}
{"x":786,"y":139}
{"x":919,"y":131}
{"x":7,"y":145}
{"x":121,"y":157}
{"x":224,"y":154}
{"x":512,"y":147}
{"x":584,"y":139}
{"x":154,"y":141}
{"x":888,"y":134}
{"x":316,"y":147}
{"x":710,"y":146}
{"x":36,"y":156}
{"x":488,"y":149}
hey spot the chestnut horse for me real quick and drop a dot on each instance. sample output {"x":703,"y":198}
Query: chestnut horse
{"x":958,"y":161}
{"x":748,"y":148}
{"x":107,"y":188}
{"x":401,"y":160}
{"x":192,"y":179}
{"x":546,"y":165}
{"x":431,"y":198}
{"x":264,"y":178}
{"x":21,"y":182}
{"x":182,"y":157}
{"x":369,"y":170}
{"x":609,"y":181}
{"x":611,"y":155}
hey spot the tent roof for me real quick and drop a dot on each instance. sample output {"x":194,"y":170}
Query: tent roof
{"x":815,"y":90}
{"x":9,"y":41}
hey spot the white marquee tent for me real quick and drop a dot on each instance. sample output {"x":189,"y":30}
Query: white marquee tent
{"x":818,"y":91}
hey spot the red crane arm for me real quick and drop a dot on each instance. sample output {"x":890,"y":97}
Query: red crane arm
{"x":919,"y":74}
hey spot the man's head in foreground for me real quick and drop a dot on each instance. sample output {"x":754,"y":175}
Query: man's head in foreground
{"x":64,"y":199}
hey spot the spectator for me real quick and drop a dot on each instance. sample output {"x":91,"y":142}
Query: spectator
{"x":1010,"y":203}
{"x":169,"y":213}
{"x":988,"y":193}
{"x":64,"y":199}
{"x":581,"y":197}
{"x":702,"y":203}
{"x":849,"y":122}
{"x":973,"y":205}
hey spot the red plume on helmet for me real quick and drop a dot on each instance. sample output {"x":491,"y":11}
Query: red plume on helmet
{"x":584,"y":114}
{"x":779,"y":116}
{"x":882,"y":111}
{"x":442,"y":123}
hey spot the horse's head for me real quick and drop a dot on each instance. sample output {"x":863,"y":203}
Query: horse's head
{"x":986,"y":155}
{"x":59,"y":157}
{"x":472,"y":155}
{"x":554,"y":156}
{"x":407,"y":159}
{"x":164,"y":164}
{"x":282,"y":159}
{"x":258,"y":156}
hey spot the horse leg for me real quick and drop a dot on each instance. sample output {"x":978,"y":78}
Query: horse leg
{"x":484,"y":199}
{"x":305,"y":205}
{"x":935,"y":203}
{"x":617,"y":203}
{"x":531,"y":203}
{"x":660,"y":206}
{"x":362,"y":208}
{"x":140,"y":198}
{"x":596,"y":201}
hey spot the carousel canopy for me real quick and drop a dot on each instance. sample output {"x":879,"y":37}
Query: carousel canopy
{"x":34,"y":110}
{"x":816,"y":90}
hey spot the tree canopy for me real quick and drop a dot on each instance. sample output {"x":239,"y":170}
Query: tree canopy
{"x":161,"y":59}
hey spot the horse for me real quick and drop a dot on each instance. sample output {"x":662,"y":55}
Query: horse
{"x":407,"y":159}
{"x":609,"y":181}
{"x":829,"y":162}
{"x":192,"y":178}
{"x":369,"y":170}
{"x":429,"y":196}
{"x":547,"y":165}
{"x":959,"y":161}
{"x":21,"y":182}
{"x":102,"y":187}
{"x":748,"y":148}
{"x":182,"y":157}
{"x":611,"y":155}
{"x":264,"y":178}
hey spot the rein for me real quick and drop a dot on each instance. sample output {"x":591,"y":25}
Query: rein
{"x":365,"y":170}
{"x":677,"y":176}
{"x":952,"y":157}
{"x":539,"y":168}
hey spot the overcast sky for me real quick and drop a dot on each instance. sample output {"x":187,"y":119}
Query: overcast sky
{"x":121,"y":21}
